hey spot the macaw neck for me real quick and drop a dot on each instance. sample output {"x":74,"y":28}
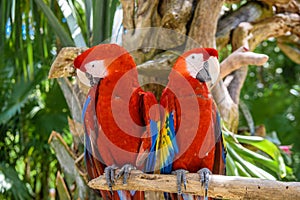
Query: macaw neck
{"x":185,"y":85}
{"x":119,"y":83}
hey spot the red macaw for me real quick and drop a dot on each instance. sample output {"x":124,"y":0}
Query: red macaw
{"x":116,"y":115}
{"x":190,"y":139}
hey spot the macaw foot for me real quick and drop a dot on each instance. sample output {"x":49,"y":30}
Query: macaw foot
{"x":204,"y":178}
{"x":181,"y":178}
{"x":110,"y":176}
{"x":125,"y":171}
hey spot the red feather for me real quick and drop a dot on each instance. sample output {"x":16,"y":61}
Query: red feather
{"x":198,"y":132}
{"x":116,"y":114}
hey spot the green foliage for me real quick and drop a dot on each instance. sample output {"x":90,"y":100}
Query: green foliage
{"x":31,"y":106}
{"x":262,"y":159}
{"x":11,"y":185}
{"x":54,"y":22}
{"x":272,"y":94}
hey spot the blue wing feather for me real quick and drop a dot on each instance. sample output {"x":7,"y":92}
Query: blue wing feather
{"x":85,"y":106}
{"x":151,"y":161}
{"x":88,"y":147}
{"x":220,"y":138}
{"x":168,"y":147}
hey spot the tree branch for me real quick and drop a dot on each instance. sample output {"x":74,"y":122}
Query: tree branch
{"x":250,"y":35}
{"x":272,"y":2}
{"x":227,"y":108}
{"x":175,"y":16}
{"x":128,"y":7}
{"x":227,"y":187}
{"x":143,"y":14}
{"x":250,"y":12}
{"x":290,"y":45}
{"x":241,"y":57}
{"x":63,"y":63}
{"x":291,"y":7}
{"x":275,"y":26}
{"x":204,"y":24}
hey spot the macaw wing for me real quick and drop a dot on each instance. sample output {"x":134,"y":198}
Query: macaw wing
{"x":166,"y":144}
{"x":151,"y":118}
{"x":220,"y":151}
{"x":91,"y":127}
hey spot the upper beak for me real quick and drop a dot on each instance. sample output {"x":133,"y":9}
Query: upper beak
{"x":87,"y":79}
{"x":83,"y":78}
{"x":203,"y":75}
{"x":210,"y":71}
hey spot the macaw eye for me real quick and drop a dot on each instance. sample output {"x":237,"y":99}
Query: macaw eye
{"x":194,"y":63}
{"x":96,"y":68}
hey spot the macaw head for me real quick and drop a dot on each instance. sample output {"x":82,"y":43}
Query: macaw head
{"x":200,"y":63}
{"x":100,"y":61}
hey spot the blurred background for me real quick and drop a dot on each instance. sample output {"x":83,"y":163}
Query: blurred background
{"x":32,"y":106}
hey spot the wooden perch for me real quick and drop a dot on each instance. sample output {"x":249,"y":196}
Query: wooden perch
{"x":227,"y":187}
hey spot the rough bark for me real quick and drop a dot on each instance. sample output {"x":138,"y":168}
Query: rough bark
{"x":226,"y":187}
{"x":72,"y":171}
{"x":175,"y":16}
{"x":63,"y":63}
{"x":246,"y":27}
{"x":204,"y":24}
{"x":290,"y":45}
{"x":137,"y":16}
{"x":241,"y":57}
{"x":250,"y":12}
{"x":276,"y":1}
{"x":291,"y":7}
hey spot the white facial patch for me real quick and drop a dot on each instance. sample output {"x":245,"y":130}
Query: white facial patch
{"x":96,"y":68}
{"x":194,"y":63}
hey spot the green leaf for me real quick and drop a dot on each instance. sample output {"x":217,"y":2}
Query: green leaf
{"x":11,"y":183}
{"x":68,"y":12}
{"x":267,"y":147}
{"x":54,"y":23}
{"x":258,"y":158}
{"x":19,"y":96}
{"x":17,"y":100}
{"x":98,"y":21}
{"x":249,"y":167}
{"x":231,"y":169}
{"x":241,"y":170}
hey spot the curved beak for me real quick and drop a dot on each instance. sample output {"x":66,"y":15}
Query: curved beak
{"x":83,"y":78}
{"x":210,"y":71}
{"x":203,"y":75}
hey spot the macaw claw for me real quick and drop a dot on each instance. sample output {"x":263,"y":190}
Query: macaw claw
{"x":204,"y":178}
{"x":181,"y":178}
{"x":125,"y":171}
{"x":110,"y":176}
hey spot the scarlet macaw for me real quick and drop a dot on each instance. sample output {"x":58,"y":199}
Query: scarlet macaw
{"x":191,"y":115}
{"x":115,"y":115}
